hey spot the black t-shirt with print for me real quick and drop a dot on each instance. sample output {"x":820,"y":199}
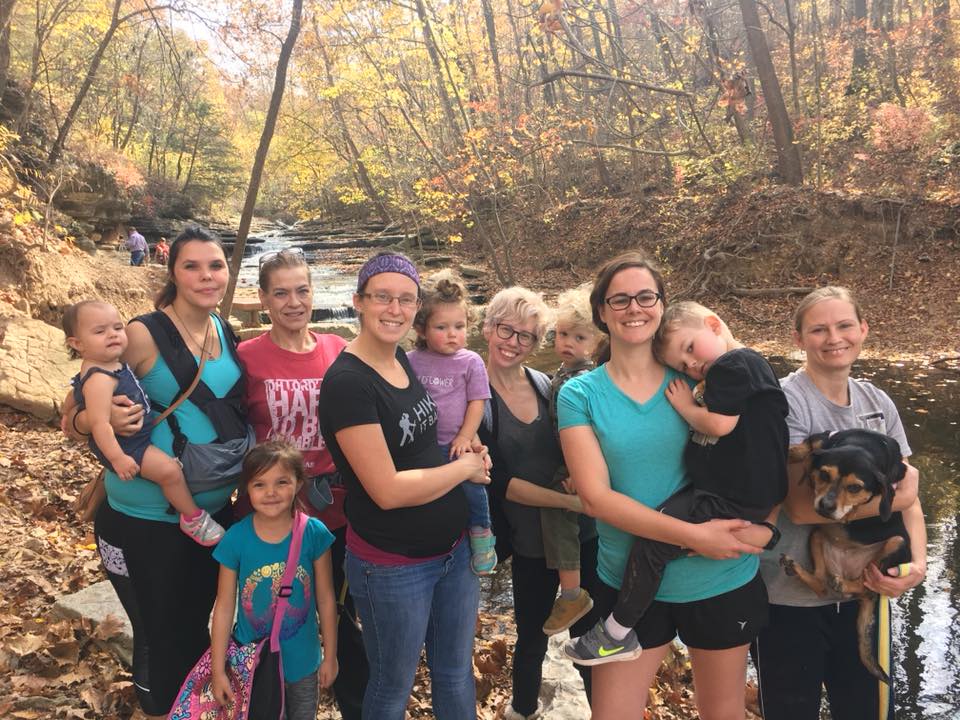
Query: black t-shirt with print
{"x":749,"y":465}
{"x":353,"y":394}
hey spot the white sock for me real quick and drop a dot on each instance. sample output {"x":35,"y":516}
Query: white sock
{"x":615,"y":629}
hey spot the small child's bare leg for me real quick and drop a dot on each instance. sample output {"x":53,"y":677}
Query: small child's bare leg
{"x":569,"y":579}
{"x":165,"y":471}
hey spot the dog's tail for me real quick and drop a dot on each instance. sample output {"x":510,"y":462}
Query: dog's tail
{"x":866,"y":623}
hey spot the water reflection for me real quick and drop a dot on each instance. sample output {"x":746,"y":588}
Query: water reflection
{"x":925,"y":624}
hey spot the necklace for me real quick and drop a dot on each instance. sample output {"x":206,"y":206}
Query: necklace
{"x":201,"y":345}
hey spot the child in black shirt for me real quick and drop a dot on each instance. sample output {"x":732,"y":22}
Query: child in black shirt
{"x":736,"y":459}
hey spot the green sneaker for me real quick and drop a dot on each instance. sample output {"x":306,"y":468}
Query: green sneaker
{"x":596,"y":647}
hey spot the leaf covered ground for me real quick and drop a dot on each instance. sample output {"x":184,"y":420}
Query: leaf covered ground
{"x":51,"y":667}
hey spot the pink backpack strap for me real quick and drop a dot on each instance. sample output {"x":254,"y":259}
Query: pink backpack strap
{"x":286,"y":582}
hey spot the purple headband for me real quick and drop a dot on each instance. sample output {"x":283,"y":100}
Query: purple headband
{"x":386,"y":263}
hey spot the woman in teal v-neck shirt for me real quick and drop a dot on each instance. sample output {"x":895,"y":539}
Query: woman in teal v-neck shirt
{"x":623,"y":443}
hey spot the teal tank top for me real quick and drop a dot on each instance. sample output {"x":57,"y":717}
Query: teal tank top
{"x":143,"y":499}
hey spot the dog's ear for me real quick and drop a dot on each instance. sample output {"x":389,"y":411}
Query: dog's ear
{"x":888,"y":489}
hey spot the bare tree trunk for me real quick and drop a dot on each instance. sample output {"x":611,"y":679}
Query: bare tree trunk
{"x":434,"y":54}
{"x":788,"y":154}
{"x":495,"y":55}
{"x":858,"y":71}
{"x":269,"y":125}
{"x":6,"y":14}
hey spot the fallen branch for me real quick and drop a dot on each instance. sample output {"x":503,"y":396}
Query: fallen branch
{"x":770,"y":292}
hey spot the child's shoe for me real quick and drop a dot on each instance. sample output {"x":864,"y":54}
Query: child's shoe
{"x":483,"y":555}
{"x":203,"y":528}
{"x":597,"y":647}
{"x":566,"y":612}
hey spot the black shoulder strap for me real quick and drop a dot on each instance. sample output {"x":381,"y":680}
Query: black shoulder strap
{"x":179,"y":359}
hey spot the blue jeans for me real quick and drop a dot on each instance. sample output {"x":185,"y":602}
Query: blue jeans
{"x":136,"y":257}
{"x":477,"y":502}
{"x":401,"y":607}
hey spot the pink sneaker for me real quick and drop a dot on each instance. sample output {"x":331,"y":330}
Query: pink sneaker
{"x":203,"y":528}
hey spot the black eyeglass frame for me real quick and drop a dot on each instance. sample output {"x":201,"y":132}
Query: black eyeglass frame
{"x":521,"y":334}
{"x":621,"y":297}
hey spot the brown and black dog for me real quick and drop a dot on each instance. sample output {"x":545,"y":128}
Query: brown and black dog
{"x":847,"y":469}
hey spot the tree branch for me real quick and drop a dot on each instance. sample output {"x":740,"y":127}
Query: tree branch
{"x":609,"y":78}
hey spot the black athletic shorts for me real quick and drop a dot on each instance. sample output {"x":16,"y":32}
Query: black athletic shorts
{"x":717,"y":623}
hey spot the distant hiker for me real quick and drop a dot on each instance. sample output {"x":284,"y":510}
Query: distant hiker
{"x":137,"y":245}
{"x":161,"y":251}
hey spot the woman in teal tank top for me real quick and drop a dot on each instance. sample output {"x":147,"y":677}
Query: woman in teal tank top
{"x":166,"y":582}
{"x":623,"y":444}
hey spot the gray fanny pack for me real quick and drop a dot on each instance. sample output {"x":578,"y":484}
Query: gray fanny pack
{"x":211,"y":466}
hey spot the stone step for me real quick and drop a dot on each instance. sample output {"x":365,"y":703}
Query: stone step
{"x":96,"y":603}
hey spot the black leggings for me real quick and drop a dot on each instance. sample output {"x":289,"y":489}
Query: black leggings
{"x":166,"y":583}
{"x":534,"y":590}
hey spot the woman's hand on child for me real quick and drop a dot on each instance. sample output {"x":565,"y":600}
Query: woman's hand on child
{"x":220,"y":686}
{"x":126,"y":416}
{"x":125,"y":467}
{"x":715,"y":539}
{"x":476,"y":468}
{"x":329,"y":669}
{"x":680,"y":395}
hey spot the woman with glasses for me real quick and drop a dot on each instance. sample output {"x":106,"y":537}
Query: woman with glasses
{"x":523,"y":446}
{"x":284,"y":369}
{"x":407,"y":560}
{"x":623,"y":443}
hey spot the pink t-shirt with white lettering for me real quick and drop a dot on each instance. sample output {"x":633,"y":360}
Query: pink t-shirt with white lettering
{"x":452,"y":381}
{"x":283,"y":393}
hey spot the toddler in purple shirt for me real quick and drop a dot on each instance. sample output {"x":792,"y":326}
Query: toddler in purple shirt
{"x":457,"y":381}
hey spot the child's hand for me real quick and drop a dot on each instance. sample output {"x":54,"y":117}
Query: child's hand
{"x":329,"y":669}
{"x":220,"y":686}
{"x":680,"y":395}
{"x":459,"y":445}
{"x":125,"y":466}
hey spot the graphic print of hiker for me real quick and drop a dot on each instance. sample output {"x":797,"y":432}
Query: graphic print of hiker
{"x":407,"y":426}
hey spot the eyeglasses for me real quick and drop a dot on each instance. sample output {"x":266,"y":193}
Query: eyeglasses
{"x":505,"y":332}
{"x":644,"y":299}
{"x":295,"y":252}
{"x":407,"y":302}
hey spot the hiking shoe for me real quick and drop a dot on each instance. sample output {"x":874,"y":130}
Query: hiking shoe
{"x":483,"y":554}
{"x":203,"y":528}
{"x":596,"y":647}
{"x":566,"y":612}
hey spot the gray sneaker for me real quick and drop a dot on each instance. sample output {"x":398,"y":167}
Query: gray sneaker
{"x":203,"y":528}
{"x":596,"y":647}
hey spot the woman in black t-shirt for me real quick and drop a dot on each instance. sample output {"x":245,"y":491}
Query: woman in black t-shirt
{"x":407,"y":564}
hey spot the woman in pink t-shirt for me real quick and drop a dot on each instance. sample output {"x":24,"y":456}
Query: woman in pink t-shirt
{"x":284,"y":368}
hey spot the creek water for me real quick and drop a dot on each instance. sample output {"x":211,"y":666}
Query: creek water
{"x":926,"y":630}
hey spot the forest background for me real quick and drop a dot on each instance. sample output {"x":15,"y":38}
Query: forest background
{"x":756,"y":148}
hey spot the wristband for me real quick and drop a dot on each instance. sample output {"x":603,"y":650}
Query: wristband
{"x":73,"y":423}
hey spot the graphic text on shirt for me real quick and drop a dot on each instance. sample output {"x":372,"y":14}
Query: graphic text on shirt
{"x":424,"y":415}
{"x":293,"y":406}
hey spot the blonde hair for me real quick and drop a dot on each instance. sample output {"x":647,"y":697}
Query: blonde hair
{"x":685,"y":313}
{"x":830,"y":292}
{"x":573,"y":308}
{"x":518,"y":303}
{"x":442,"y":288}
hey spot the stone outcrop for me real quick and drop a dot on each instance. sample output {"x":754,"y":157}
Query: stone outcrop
{"x":35,"y":369}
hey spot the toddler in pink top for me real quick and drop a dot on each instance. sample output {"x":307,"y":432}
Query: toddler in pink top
{"x":457,"y":381}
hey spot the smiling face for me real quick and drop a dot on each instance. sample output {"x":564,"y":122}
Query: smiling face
{"x":831,"y":335}
{"x":634,"y":325}
{"x":692,"y":350}
{"x":387,"y":322}
{"x":272,"y":491}
{"x":446,"y":328}
{"x":100,"y":335}
{"x":509,"y":353}
{"x":200,"y":274}
{"x":288,"y":299}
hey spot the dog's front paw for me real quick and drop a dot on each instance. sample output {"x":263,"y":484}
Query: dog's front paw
{"x":788,"y":565}
{"x":835,"y":583}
